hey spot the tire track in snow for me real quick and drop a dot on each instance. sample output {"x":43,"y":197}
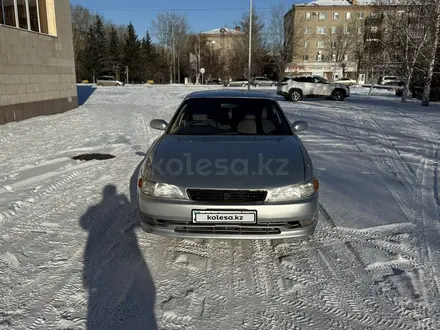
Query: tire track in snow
{"x":409,"y":207}
{"x":69,"y":175}
{"x":364,"y":274}
{"x":64,"y":287}
{"x":430,"y":226}
{"x":403,"y":167}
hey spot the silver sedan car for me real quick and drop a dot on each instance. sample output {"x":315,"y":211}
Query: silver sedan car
{"x":229,"y":165}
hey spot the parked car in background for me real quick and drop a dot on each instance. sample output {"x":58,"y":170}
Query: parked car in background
{"x":418,"y":85}
{"x":108,"y":81}
{"x":214,"y":82}
{"x":238,"y":83}
{"x":214,"y":201}
{"x":346,"y":81}
{"x":388,"y":80}
{"x":294,"y":88}
{"x":263,"y":81}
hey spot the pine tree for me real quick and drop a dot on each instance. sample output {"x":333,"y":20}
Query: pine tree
{"x":147,"y":56}
{"x":97,"y":51}
{"x":91,"y":55}
{"x":101,"y":47}
{"x":114,"y":53}
{"x":132,"y":54}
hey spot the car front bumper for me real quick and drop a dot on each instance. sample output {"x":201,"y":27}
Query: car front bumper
{"x":274,"y":221}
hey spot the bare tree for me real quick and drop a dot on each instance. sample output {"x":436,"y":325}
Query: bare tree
{"x":434,"y":23}
{"x":285,"y":37}
{"x":171,"y":30}
{"x":240,"y":47}
{"x":345,"y":43}
{"x":405,"y":35}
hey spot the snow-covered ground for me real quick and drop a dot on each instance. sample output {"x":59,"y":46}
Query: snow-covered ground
{"x":71,"y":256}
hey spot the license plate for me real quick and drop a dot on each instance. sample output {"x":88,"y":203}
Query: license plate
{"x":204,"y":216}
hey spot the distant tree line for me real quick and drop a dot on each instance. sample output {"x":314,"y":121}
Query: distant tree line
{"x":103,"y":48}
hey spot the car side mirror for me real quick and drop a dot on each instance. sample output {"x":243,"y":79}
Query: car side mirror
{"x":300,"y":125}
{"x":159,"y":124}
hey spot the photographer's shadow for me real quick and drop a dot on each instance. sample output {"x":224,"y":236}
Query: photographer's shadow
{"x":120,"y":287}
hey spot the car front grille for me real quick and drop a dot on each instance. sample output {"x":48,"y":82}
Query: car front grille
{"x":227,"y":196}
{"x":240,"y":230}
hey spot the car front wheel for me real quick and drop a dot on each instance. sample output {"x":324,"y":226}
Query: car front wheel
{"x":295,"y":95}
{"x":337,"y":95}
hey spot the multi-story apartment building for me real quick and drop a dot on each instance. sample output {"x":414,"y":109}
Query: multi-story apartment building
{"x":221,"y":38}
{"x":326,"y":37}
{"x":37,"y":69}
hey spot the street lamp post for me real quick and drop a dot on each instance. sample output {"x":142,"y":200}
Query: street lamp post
{"x":250,"y":45}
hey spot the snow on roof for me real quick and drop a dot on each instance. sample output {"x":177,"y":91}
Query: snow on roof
{"x":219,"y":31}
{"x":335,"y":3}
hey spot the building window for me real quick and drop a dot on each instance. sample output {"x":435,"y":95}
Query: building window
{"x":322,"y":15}
{"x":334,"y":57}
{"x":306,"y":44}
{"x":346,"y":30}
{"x":8,"y":9}
{"x":334,"y":44}
{"x":320,"y":44}
{"x":346,"y":58}
{"x":308,"y":15}
{"x":2,"y":13}
{"x":307,"y":30}
{"x":348,"y":15}
{"x":34,"y":15}
{"x":25,"y":14}
{"x":359,"y":30}
{"x":334,"y":30}
{"x":335,"y":15}
{"x":305,"y":58}
{"x":320,"y":30}
{"x":22,"y":14}
{"x":361,"y":15}
{"x":319,"y":58}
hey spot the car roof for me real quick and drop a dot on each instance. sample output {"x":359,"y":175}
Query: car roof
{"x":304,"y":75}
{"x":229,"y":94}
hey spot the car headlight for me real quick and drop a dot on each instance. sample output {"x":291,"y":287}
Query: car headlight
{"x":292,"y":192}
{"x":162,"y":190}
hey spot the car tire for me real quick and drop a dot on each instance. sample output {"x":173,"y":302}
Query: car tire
{"x":338,"y":95}
{"x":273,"y":85}
{"x":295,"y":95}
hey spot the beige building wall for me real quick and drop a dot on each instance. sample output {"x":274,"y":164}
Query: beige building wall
{"x":222,"y":41}
{"x":310,"y":44}
{"x":37,"y":70}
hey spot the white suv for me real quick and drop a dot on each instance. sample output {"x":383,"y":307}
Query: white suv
{"x":296,"y":87}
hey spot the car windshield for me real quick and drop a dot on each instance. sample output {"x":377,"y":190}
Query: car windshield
{"x":224,"y":116}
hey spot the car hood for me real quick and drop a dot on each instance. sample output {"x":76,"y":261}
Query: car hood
{"x":228,"y":162}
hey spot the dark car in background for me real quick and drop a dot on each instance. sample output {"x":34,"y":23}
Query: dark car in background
{"x":418,"y":85}
{"x":263,"y":82}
